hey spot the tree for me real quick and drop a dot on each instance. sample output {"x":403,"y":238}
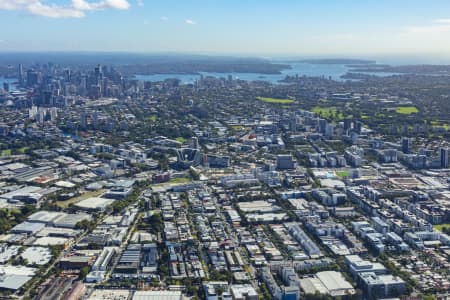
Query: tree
{"x":83,"y":272}
{"x":157,"y":223}
{"x":85,"y":225}
{"x":28,"y":209}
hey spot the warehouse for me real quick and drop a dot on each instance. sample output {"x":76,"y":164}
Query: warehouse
{"x":58,"y":232}
{"x":7,"y":252}
{"x":46,"y":217}
{"x":130,"y":260}
{"x":94,"y":203}
{"x":71,"y":220}
{"x":14,"y":195}
{"x":149,"y":258}
{"x":335,"y":283}
{"x":27,"y":227}
{"x":260,"y":206}
{"x":158,"y":295}
{"x":104,"y":294}
{"x":37,"y":255}
{"x":14,"y":277}
{"x":51,"y":241}
{"x":327,"y":282}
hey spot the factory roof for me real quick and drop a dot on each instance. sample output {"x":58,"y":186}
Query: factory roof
{"x":157,"y":295}
{"x":28,"y":227}
{"x":333,"y":280}
{"x":43,"y":216}
{"x":94,"y":203}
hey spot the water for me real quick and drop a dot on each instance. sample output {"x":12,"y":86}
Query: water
{"x":72,"y":136}
{"x":11,"y":81}
{"x":334,"y":71}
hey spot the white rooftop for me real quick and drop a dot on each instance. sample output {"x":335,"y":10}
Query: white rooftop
{"x":94,"y":203}
{"x":49,"y":241}
{"x":37,"y":255}
{"x":101,"y":294}
{"x":45,"y":216}
{"x":157,"y":295}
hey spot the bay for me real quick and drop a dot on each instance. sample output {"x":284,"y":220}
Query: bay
{"x":333,"y":71}
{"x":11,"y":81}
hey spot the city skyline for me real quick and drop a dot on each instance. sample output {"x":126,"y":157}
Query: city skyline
{"x":263,"y":28}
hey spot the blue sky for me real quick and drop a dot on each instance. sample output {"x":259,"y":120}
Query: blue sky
{"x":249,"y":27}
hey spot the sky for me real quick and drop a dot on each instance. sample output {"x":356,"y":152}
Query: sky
{"x":266,"y":28}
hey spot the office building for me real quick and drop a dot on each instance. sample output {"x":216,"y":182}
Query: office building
{"x":443,"y":157}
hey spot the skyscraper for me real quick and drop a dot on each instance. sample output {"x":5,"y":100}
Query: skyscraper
{"x":20,"y":75}
{"x":406,"y":145}
{"x":443,"y":157}
{"x":347,"y":123}
{"x":98,"y":74}
{"x":194,"y":143}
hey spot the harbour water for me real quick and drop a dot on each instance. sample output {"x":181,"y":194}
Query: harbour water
{"x":11,"y":81}
{"x":333,"y":71}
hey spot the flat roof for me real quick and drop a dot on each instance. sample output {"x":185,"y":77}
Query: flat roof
{"x":70,"y":220}
{"x":17,"y":270}
{"x":7,"y":252}
{"x":312,"y":285}
{"x":37,"y":255}
{"x":45,"y":216}
{"x":28,"y":227}
{"x":333,"y":280}
{"x":94,"y":203}
{"x":157,"y":295}
{"x":49,"y":241}
{"x":101,"y":294}
{"x":58,"y":231}
{"x":13,"y":282}
{"x":22,"y":191}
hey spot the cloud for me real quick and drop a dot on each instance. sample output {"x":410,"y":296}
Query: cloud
{"x":190,"y":22}
{"x":104,"y":4}
{"x":54,"y":11}
{"x":438,"y":26}
{"x":442,"y":21}
{"x":10,"y":5}
{"x":74,"y":9}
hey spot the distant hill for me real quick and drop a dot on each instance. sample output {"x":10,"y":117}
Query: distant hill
{"x":337,"y":61}
{"x":410,"y":69}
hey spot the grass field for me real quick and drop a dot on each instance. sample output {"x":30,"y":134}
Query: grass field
{"x":6,"y":152}
{"x":181,"y":139}
{"x":342,"y":174}
{"x":180,"y":180}
{"x":439,"y":124}
{"x":406,"y":110}
{"x":151,"y":118}
{"x":439,"y":227}
{"x":327,"y":112}
{"x":173,"y":181}
{"x":90,"y":194}
{"x":275,"y":100}
{"x":23,"y":150}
